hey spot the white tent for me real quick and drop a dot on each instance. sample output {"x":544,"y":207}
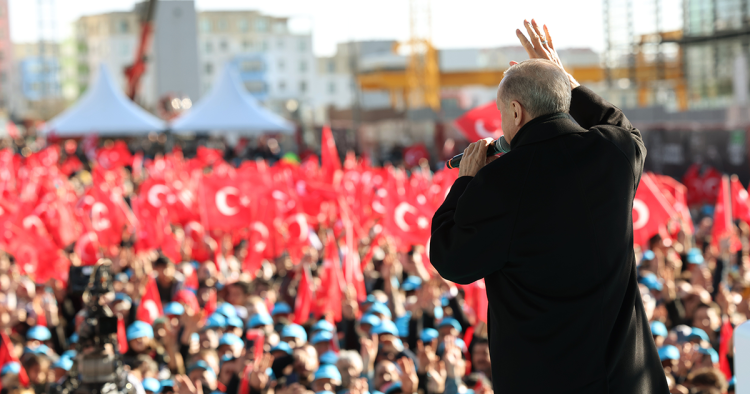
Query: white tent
{"x":229,"y":107}
{"x":105,"y":110}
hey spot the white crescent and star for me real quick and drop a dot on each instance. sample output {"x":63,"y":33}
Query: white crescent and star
{"x":264,"y":233}
{"x":221,"y":200}
{"x":643,"y":214}
{"x":98,"y":221}
{"x":483,"y":132}
{"x":154,"y":192}
{"x":399,"y":213}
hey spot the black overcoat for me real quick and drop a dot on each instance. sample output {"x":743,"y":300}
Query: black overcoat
{"x":549,"y":226}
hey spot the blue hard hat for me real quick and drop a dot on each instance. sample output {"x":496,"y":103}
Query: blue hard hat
{"x":710,"y":352}
{"x":139,"y":329}
{"x":381,"y":309}
{"x":200,"y":364}
{"x":441,"y":346}
{"x":449,"y":321}
{"x":63,"y":363}
{"x":707,"y":210}
{"x":167,"y":383}
{"x":281,"y":308}
{"x":71,"y":354}
{"x":327,"y":371}
{"x":393,"y":388}
{"x":329,"y":357}
{"x":429,"y":334}
{"x":651,"y":282}
{"x":230,"y":339}
{"x":39,"y":333}
{"x":73,"y":338}
{"x":216,"y":320}
{"x":152,"y":385}
{"x":174,"y":308}
{"x":282,"y":347}
{"x":123,"y":297}
{"x":259,"y":319}
{"x":370,"y":319}
{"x":323,"y":325}
{"x":402,"y":323}
{"x":227,"y":309}
{"x":271,"y":375}
{"x":698,"y":333}
{"x":412,"y":283}
{"x":294,"y":331}
{"x":695,"y":256}
{"x":386,"y":327}
{"x":658,"y":328}
{"x":648,"y":255}
{"x":13,"y":367}
{"x":669,"y":352}
{"x":235,"y":321}
{"x":321,"y":336}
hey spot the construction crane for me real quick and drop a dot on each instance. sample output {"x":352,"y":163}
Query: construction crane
{"x":136,"y":70}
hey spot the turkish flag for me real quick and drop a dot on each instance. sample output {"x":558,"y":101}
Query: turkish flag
{"x":650,"y":210}
{"x":414,"y":154}
{"x":676,"y":194}
{"x":329,"y":155}
{"x":702,"y":184}
{"x":208,"y":156}
{"x":6,"y":356}
{"x":71,"y":165}
{"x":481,"y":122}
{"x":740,"y":206}
{"x":122,"y":337}
{"x":725,"y":336}
{"x":229,"y":203}
{"x":303,"y":301}
{"x":723,"y":225}
{"x":150,"y":306}
{"x":114,"y":156}
{"x":88,"y":249}
{"x":405,"y":218}
{"x":329,"y":298}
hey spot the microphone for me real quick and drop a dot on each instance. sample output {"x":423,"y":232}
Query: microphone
{"x":498,"y":146}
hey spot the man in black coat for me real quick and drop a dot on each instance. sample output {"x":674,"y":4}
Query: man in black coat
{"x":549,"y":226}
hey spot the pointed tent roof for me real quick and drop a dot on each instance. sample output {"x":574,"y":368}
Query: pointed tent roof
{"x":229,"y":107}
{"x":105,"y":110}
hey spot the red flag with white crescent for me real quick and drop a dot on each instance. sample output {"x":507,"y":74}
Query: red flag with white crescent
{"x":481,"y":122}
{"x":723,"y":225}
{"x":650,"y":210}
{"x":228,"y":202}
{"x":150,"y":307}
{"x":740,"y":203}
{"x":303,"y":301}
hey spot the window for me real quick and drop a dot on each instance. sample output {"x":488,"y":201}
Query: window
{"x":303,"y":86}
{"x":243,"y":25}
{"x":123,"y":27}
{"x":302,"y":46}
{"x":280,"y":44}
{"x":282,"y":86}
{"x":281,"y":65}
{"x":205,"y":25}
{"x":255,"y":86}
{"x":222,"y":25}
{"x":331,"y":87}
{"x":223,"y":45}
{"x":209,"y":47}
{"x":331,"y":66}
{"x":303,"y":66}
{"x":249,"y":66}
{"x":261,"y":24}
{"x":247,"y":45}
{"x":265,"y":45}
{"x":209,"y":68}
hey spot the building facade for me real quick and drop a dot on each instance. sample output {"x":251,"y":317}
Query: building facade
{"x":6,"y":58}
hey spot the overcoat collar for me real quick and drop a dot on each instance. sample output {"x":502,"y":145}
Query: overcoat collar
{"x":543,"y":128}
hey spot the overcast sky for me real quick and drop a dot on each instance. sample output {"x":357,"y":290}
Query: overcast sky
{"x":455,"y":24}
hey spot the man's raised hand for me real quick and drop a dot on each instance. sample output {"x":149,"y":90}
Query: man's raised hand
{"x":540,"y":46}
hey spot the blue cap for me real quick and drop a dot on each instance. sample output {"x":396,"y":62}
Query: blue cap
{"x":695,"y":256}
{"x":271,"y":375}
{"x":227,"y":309}
{"x":167,"y":383}
{"x":329,"y":357}
{"x":152,"y":385}
{"x":658,"y":328}
{"x":139,"y":329}
{"x":63,"y":363}
{"x":71,"y":354}
{"x":235,"y":321}
{"x":174,"y":308}
{"x":412,"y":283}
{"x":429,"y":334}
{"x":449,"y":321}
{"x":259,"y":319}
{"x":200,"y":364}
{"x":123,"y":297}
{"x":216,"y":320}
{"x":708,"y":210}
{"x":282,"y":347}
{"x":386,"y":327}
{"x":441,"y":347}
{"x":73,"y":338}
{"x":11,"y":367}
{"x":323,"y":325}
{"x":648,"y":255}
{"x":381,"y":309}
{"x":39,"y":333}
{"x":370,"y":319}
{"x":710,"y":352}
{"x":321,"y":336}
{"x":281,"y":308}
{"x":327,"y":371}
{"x":402,"y":323}
{"x":294,"y":331}
{"x":651,"y":282}
{"x":698,"y":333}
{"x":669,"y":352}
{"x":393,"y":388}
{"x":230,"y":339}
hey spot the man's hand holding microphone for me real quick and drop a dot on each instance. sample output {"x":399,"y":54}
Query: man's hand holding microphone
{"x":475,"y":157}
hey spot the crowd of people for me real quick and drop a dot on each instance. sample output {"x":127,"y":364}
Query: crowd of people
{"x":401,"y":329}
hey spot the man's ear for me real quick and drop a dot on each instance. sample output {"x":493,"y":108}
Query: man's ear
{"x":517,"y":112}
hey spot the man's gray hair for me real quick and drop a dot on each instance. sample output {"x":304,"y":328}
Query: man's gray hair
{"x":539,"y":85}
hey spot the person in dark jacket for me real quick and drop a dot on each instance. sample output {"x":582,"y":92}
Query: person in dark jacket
{"x":549,"y":227}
